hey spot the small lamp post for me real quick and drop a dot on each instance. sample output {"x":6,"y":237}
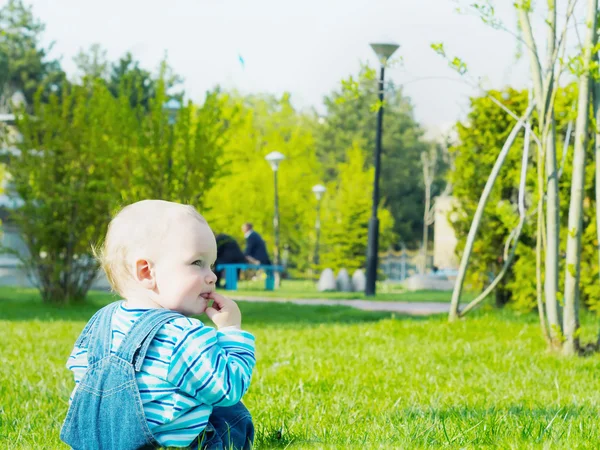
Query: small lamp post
{"x":274,"y":158}
{"x":172,"y":107}
{"x":318,"y":190}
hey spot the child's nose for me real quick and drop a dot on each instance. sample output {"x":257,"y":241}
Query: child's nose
{"x":211,"y":278}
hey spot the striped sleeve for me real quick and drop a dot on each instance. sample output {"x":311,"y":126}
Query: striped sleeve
{"x":214,"y":367}
{"x":78,"y":364}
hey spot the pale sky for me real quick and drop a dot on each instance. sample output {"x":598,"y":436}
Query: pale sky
{"x":304,"y":47}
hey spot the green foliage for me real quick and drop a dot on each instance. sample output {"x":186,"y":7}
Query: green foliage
{"x":84,"y":154}
{"x":245,"y":192}
{"x":351,"y":119}
{"x":63,"y":173}
{"x":578,"y":67}
{"x":127,"y":75}
{"x":348,"y":209}
{"x":92,"y":64}
{"x":454,"y":63}
{"x":487,"y":13}
{"x":176,"y":162}
{"x":24,"y":63}
{"x":481,"y":137}
{"x":110,"y":136}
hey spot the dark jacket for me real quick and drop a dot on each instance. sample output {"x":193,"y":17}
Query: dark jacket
{"x":256,"y":248}
{"x":228,"y":250}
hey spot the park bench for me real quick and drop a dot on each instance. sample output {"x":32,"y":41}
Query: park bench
{"x":231,"y":274}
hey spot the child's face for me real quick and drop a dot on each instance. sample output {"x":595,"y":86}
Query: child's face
{"x":183,"y":271}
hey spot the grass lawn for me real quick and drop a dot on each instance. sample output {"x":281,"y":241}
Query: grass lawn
{"x":306,"y":289}
{"x":341,"y":378}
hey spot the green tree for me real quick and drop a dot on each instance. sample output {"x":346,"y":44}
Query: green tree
{"x":174,"y":158}
{"x":126,"y":74}
{"x":351,"y":118}
{"x":347,"y":212}
{"x":93,"y":63}
{"x":245,"y":193}
{"x":24,"y":62}
{"x":480,"y":138}
{"x":63,"y":174}
{"x":545,"y":77}
{"x":85,"y":153}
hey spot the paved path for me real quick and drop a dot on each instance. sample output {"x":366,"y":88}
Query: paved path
{"x":414,"y":308}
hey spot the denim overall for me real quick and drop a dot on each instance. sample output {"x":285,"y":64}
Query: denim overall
{"x":106,"y":412}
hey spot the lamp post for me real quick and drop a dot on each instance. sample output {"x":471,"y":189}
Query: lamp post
{"x":274,"y":158}
{"x":172,"y":108}
{"x":318,"y":190}
{"x":384,"y":52}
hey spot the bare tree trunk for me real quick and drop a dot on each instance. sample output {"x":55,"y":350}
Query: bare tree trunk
{"x":596,"y":93}
{"x":464,"y":262}
{"x":509,"y":253}
{"x":543,"y":96}
{"x":552,"y":199}
{"x":538,"y":271}
{"x":428,"y":175}
{"x":572,"y":274}
{"x":540,"y":247}
{"x":426,"y":228}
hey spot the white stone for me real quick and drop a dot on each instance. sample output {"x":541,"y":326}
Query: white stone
{"x":359,"y":280}
{"x":326,"y":281}
{"x":428,"y":282}
{"x":343,"y":281}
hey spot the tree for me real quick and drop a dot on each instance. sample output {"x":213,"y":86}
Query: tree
{"x":24,"y":63}
{"x":85,"y":153}
{"x":351,"y":119}
{"x":575,"y":225}
{"x":93,"y":63}
{"x":126,"y":74}
{"x":174,"y":159}
{"x":480,"y":140}
{"x":545,"y":89}
{"x":244,"y":193}
{"x":545,"y":85}
{"x":63,"y":174}
{"x":347,"y":212}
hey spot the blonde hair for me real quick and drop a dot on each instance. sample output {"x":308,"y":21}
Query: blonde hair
{"x":132,"y":232}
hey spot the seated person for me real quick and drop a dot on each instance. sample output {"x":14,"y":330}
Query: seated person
{"x":228,"y":252}
{"x":256,"y":249}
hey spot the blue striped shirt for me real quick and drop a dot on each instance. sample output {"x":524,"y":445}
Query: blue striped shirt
{"x":188,"y":369}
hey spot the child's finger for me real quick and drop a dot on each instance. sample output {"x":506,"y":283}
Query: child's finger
{"x":211,"y":312}
{"x":219,"y":300}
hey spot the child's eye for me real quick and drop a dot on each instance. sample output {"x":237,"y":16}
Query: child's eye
{"x":198,"y":263}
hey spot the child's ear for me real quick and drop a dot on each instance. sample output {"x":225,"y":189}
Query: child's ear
{"x":144,"y":273}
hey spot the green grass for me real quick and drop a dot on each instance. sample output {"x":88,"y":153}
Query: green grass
{"x":305,"y":289}
{"x":341,"y":378}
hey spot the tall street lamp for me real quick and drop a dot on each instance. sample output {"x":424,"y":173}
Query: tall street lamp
{"x":384,"y":52}
{"x":274,"y":158}
{"x":318,"y":190}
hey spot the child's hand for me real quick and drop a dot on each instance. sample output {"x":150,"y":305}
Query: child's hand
{"x":224,"y":312}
